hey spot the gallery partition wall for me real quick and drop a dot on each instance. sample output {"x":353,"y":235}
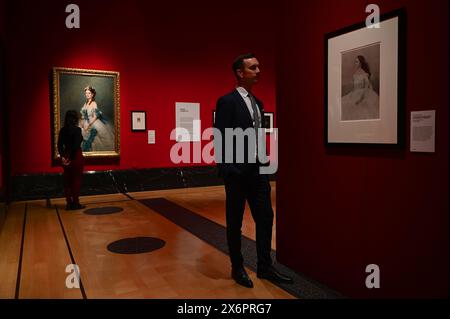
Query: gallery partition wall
{"x":353,"y":208}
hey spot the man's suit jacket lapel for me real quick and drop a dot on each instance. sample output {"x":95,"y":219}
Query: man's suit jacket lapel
{"x":240,"y":100}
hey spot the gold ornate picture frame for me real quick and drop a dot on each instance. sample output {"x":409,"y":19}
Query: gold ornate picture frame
{"x":99,"y":117}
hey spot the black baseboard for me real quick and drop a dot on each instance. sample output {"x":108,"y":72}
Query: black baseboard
{"x":2,"y":214}
{"x":41,"y":186}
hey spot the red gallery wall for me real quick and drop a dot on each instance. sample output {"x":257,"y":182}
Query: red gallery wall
{"x":165,"y":51}
{"x":2,"y":106}
{"x":341,"y":209}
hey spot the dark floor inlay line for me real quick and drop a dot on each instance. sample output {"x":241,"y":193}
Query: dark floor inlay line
{"x":83,"y":292}
{"x":19,"y":270}
{"x":137,"y":245}
{"x":103,"y":210}
{"x":215,"y":235}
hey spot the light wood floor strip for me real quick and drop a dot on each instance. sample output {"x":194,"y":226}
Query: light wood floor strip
{"x":45,"y":256}
{"x":10,"y":242}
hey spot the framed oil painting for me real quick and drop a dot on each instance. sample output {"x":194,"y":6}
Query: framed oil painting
{"x":95,"y":95}
{"x":365,"y":83}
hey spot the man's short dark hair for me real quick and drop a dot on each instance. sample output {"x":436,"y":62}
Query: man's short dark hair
{"x":239,"y":61}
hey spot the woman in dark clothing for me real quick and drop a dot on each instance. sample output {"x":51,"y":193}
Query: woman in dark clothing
{"x":69,"y":148}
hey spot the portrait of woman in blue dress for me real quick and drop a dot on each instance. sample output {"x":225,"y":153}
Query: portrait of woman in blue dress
{"x":98,"y":133}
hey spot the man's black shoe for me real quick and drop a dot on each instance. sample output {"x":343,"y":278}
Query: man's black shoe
{"x":78,"y":206}
{"x":241,"y":277}
{"x":271,"y":273}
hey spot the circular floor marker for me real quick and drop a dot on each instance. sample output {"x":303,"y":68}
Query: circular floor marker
{"x":103,"y":210}
{"x":137,"y":245}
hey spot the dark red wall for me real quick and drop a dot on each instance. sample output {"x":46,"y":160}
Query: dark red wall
{"x":341,"y":209}
{"x":165,"y":51}
{"x":2,"y":95}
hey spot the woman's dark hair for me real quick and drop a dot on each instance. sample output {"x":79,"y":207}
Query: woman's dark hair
{"x":239,"y":62}
{"x":71,"y":118}
{"x":364,"y":64}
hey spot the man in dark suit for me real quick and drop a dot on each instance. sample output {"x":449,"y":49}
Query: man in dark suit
{"x":240,"y":169}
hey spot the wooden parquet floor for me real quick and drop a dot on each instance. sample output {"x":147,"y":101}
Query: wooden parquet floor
{"x":38,"y":242}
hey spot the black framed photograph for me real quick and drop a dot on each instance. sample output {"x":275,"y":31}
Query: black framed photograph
{"x":364,"y":83}
{"x":95,"y":95}
{"x":138,"y":121}
{"x":268,"y":122}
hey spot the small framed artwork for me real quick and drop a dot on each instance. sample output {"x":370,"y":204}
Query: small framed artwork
{"x":138,"y":121}
{"x":268,"y":122}
{"x":364,"y":85}
{"x":94,"y":95}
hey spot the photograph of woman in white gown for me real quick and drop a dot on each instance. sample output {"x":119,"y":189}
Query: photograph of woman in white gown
{"x":360,"y":101}
{"x":98,"y":133}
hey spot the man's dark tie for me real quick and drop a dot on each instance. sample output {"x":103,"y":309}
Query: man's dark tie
{"x":256,"y":119}
{"x":255,"y":110}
